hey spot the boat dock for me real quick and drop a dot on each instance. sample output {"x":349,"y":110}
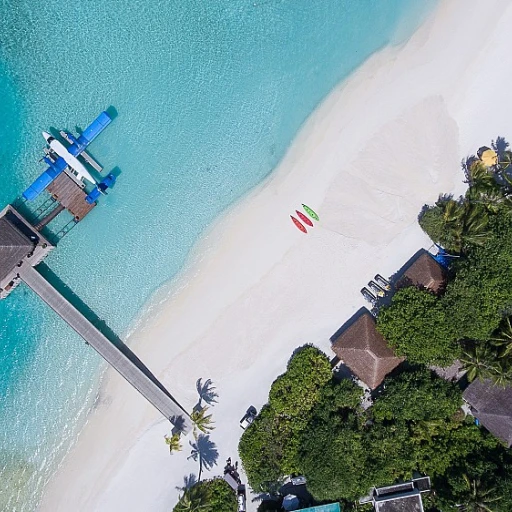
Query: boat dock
{"x":25,"y":241}
{"x":112,"y":354}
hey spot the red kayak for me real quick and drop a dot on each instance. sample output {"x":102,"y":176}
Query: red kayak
{"x":298,"y":224}
{"x":303,"y":218}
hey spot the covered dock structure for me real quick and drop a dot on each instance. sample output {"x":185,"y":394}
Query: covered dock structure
{"x":22,"y":248}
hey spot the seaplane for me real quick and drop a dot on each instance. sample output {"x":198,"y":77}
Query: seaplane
{"x":70,"y":160}
{"x":61,"y":158}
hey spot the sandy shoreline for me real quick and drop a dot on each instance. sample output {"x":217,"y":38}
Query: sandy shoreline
{"x":381,"y":145}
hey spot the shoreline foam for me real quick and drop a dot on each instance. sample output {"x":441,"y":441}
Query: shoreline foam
{"x":382,"y":143}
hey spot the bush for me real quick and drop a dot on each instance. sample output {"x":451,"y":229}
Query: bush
{"x":417,"y":396}
{"x":213,"y":495}
{"x":269,"y":447}
{"x":415,"y":324}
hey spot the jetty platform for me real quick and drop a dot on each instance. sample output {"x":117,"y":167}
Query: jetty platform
{"x":137,"y":377}
{"x":22,"y":248}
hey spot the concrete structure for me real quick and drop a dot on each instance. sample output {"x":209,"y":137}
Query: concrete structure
{"x":402,"y":497}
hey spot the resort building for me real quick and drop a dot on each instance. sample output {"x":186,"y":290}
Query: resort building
{"x":403,"y":497}
{"x":492,"y":406}
{"x":363,"y":349}
{"x":20,"y":244}
{"x":423,"y":271}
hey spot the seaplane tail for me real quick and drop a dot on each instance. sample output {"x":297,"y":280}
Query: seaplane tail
{"x":71,"y":160}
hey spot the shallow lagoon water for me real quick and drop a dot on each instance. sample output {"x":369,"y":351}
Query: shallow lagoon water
{"x":209,"y":95}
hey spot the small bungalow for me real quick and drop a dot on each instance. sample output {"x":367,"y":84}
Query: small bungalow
{"x":19,"y":243}
{"x":423,"y":271}
{"x":492,"y":406}
{"x":363,"y":349}
{"x":402,"y":497}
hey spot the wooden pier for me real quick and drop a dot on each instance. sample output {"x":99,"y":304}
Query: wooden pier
{"x":70,"y":195}
{"x":138,"y":378}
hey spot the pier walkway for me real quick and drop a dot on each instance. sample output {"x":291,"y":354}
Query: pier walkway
{"x":149,"y":387}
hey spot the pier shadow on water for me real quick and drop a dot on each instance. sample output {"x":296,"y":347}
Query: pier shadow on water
{"x":100,"y":324}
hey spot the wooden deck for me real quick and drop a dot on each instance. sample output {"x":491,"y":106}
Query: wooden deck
{"x":150,"y":388}
{"x":70,"y":195}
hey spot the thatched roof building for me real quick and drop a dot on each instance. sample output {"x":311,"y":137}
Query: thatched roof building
{"x":20,"y":244}
{"x":363,"y":349}
{"x":422,"y":270}
{"x":492,"y":405}
{"x":14,"y":246}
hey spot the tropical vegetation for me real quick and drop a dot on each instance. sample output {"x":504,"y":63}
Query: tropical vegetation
{"x":414,"y":425}
{"x":315,"y":424}
{"x":471,"y":320}
{"x":213,"y":495}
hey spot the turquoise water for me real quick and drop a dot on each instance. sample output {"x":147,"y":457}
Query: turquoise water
{"x":209,"y":95}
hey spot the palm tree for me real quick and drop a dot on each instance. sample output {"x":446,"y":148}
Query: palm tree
{"x":481,"y":181}
{"x":206,"y":392}
{"x":202,"y":421}
{"x":425,"y":430}
{"x":193,"y":500}
{"x":478,"y":498}
{"x":476,"y":221}
{"x":503,"y":338}
{"x":174,"y":442}
{"x":459,"y":223}
{"x":501,"y":373}
{"x":478,"y":361}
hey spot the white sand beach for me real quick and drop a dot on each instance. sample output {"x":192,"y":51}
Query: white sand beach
{"x":381,"y":145}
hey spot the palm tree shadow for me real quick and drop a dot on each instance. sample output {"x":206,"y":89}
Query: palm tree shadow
{"x":188,"y":481}
{"x":206,"y":393}
{"x":204,"y":450}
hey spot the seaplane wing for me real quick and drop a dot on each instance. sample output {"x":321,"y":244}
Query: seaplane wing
{"x":54,"y":169}
{"x":89,"y":134}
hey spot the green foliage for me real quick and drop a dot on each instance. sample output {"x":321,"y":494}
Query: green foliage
{"x":336,"y":463}
{"x":221,"y":497}
{"x":269,"y":446}
{"x":213,"y":495}
{"x":417,"y":396}
{"x":261,"y":449}
{"x":308,"y":370}
{"x":202,"y":421}
{"x":457,"y":225}
{"x":174,"y":442}
{"x":416,"y":325}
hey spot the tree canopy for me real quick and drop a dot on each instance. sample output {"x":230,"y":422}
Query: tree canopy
{"x":417,"y":326}
{"x":269,"y":446}
{"x":213,"y":495}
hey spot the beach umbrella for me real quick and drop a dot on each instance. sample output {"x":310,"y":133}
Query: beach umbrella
{"x":489,"y":157}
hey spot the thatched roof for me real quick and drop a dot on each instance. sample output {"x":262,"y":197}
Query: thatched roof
{"x":14,"y":246}
{"x":422,"y":270}
{"x":363,"y":349}
{"x":492,"y":405}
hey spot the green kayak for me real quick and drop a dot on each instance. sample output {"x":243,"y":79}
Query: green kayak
{"x":310,"y":212}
